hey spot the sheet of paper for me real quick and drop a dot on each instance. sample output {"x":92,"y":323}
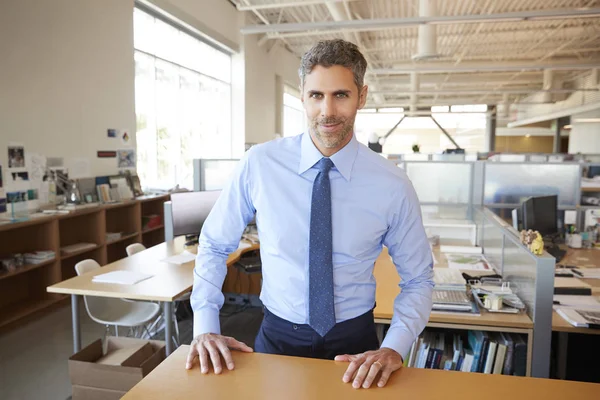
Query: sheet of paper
{"x":79,"y":168}
{"x":121,"y":277}
{"x":244,"y":245}
{"x":588,"y":302}
{"x":570,"y":217}
{"x":183,"y":258}
{"x":467,"y":261}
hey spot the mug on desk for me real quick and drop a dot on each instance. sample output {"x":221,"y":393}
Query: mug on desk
{"x":575,"y":241}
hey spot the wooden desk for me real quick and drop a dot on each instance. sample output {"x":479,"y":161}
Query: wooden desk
{"x":169,"y":282}
{"x":261,"y":376}
{"x":581,"y":258}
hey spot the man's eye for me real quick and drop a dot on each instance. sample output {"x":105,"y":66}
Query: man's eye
{"x":341,"y":95}
{"x":316,"y":95}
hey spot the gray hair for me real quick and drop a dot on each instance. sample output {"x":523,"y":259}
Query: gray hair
{"x":334,"y":52}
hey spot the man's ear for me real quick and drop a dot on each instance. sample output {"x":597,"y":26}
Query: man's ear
{"x":362,"y":97}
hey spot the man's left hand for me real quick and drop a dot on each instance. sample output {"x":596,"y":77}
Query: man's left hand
{"x":364,"y":367}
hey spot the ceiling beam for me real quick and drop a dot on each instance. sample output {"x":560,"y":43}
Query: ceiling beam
{"x":480,"y":91}
{"x":299,"y":3}
{"x":387,"y":23}
{"x":573,"y":64}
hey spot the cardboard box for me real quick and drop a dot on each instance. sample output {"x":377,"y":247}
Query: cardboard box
{"x":130,"y":360}
{"x":90,"y":393}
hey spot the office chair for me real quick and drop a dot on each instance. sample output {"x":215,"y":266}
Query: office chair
{"x":116,"y":312}
{"x":134,"y":248}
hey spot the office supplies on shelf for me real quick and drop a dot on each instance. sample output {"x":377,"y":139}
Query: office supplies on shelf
{"x":121,"y":277}
{"x":182,"y":258}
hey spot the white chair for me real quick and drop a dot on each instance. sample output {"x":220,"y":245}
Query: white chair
{"x":116,"y":312}
{"x":134,"y":248}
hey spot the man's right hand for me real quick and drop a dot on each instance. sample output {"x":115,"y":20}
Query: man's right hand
{"x":209,"y":348}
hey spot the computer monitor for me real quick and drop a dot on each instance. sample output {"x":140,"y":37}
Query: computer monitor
{"x":212,"y":174}
{"x":593,"y":170}
{"x":541,"y":214}
{"x":189,"y":210}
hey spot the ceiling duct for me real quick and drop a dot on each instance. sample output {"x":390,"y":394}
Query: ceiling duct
{"x":427,"y":39}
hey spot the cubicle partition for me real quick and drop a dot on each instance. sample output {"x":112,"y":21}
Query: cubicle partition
{"x":531,"y":278}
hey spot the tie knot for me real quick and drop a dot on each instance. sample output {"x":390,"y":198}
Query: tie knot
{"x":324,"y":165}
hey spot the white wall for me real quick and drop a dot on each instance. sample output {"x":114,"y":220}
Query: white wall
{"x":585,"y":136}
{"x":262,"y":66}
{"x":67,"y":75}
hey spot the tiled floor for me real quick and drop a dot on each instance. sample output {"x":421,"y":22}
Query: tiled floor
{"x":33,"y":358}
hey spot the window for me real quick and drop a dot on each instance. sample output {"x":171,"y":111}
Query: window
{"x":294,"y":117}
{"x":182,"y":102}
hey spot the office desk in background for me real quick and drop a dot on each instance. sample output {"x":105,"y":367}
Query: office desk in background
{"x":262,"y":376}
{"x":580,"y":258}
{"x":387,"y":289}
{"x":169,"y":282}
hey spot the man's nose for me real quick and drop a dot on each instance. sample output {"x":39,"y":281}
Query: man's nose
{"x":327,"y":107}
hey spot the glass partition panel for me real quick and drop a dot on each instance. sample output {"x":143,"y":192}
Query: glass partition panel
{"x":441,"y":212}
{"x":513,"y":183}
{"x":440,"y":182}
{"x":520,"y":271}
{"x":492,"y":244}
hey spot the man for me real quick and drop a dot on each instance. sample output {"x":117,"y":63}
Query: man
{"x":324,"y":206}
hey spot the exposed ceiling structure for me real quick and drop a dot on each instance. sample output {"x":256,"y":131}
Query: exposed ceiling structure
{"x":441,"y":52}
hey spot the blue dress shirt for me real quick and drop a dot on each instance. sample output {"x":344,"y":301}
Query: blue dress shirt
{"x":373,"y":204}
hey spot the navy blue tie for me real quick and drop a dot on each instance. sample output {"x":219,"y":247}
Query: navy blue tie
{"x":321,"y":308}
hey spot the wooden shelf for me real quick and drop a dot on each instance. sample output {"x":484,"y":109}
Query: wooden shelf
{"x":590,"y":189}
{"x":26,"y":290}
{"x":122,"y":238}
{"x":26,"y":268}
{"x":161,"y":226}
{"x":12,"y":313}
{"x":74,"y":254}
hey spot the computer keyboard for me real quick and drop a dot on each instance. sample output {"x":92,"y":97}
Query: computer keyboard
{"x":556,"y":252}
{"x":457,"y":297}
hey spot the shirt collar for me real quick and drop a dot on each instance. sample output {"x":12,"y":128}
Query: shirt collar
{"x":343,"y":159}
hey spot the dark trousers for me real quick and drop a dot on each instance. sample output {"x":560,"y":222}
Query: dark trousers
{"x":278,"y":336}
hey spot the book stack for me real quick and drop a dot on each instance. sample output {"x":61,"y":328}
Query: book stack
{"x":112,"y":236}
{"x":485,"y":352}
{"x":38,"y":257}
{"x":450,"y":293}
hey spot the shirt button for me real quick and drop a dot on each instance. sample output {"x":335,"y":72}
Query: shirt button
{"x":295,"y":327}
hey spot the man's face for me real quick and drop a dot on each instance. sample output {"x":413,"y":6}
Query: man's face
{"x":331,"y":100}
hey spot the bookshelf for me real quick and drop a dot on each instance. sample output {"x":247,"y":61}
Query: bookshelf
{"x":24,"y":289}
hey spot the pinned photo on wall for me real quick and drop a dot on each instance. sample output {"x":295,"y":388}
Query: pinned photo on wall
{"x":126,"y":158}
{"x":20,"y":176}
{"x":111,"y":133}
{"x":16,"y":157}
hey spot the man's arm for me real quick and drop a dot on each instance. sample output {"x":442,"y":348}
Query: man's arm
{"x":220,"y":237}
{"x":409,"y":248}
{"x":410,"y":251}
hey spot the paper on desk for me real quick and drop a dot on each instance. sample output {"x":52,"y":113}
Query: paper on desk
{"x":244,"y":245}
{"x":467,"y":261}
{"x":183,"y":258}
{"x":121,"y":277}
{"x":589,"y":302}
